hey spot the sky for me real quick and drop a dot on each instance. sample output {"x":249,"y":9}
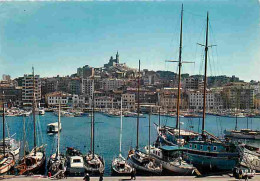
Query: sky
{"x":58,"y":37}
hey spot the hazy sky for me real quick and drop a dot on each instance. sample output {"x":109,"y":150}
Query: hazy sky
{"x":58,"y":37}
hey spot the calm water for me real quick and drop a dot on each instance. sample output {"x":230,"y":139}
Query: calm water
{"x":76,"y":131}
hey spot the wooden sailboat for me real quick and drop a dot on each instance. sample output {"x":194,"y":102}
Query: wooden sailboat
{"x":119,"y":164}
{"x":94,"y":163}
{"x":174,"y":135}
{"x":209,"y":152}
{"x":7,"y":159}
{"x":141,"y":161}
{"x":34,"y":162}
{"x":56,"y":165}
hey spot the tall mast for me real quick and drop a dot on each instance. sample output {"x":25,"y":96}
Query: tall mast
{"x":93,"y":121}
{"x":138,"y":107}
{"x":159,"y":117}
{"x":179,"y":77}
{"x":121,"y":127}
{"x":24,"y":136}
{"x":149,"y":144}
{"x":58,"y":142}
{"x":33,"y":104}
{"x":4,"y":127}
{"x":205,"y":76}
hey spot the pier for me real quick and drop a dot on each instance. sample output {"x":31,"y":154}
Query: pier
{"x":161,"y":178}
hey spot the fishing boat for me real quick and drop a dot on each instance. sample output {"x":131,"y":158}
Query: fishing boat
{"x":57,"y":162}
{"x":209,"y":153}
{"x":53,"y":127}
{"x":75,"y":162}
{"x":41,"y":111}
{"x":133,"y":114}
{"x":243,"y":134}
{"x":94,"y":164}
{"x":172,"y":162}
{"x":7,"y":159}
{"x":250,"y":156}
{"x":11,"y":145}
{"x":142,"y":162}
{"x":34,"y":162}
{"x":119,"y":164}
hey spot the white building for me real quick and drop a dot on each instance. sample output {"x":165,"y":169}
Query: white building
{"x":55,"y":98}
{"x":103,"y":102}
{"x":27,"y":89}
{"x":111,"y":84}
{"x":128,"y":101}
{"x":87,"y":86}
{"x":196,"y":100}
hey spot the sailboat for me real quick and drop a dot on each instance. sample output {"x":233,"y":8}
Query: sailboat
{"x":56,"y":164}
{"x":34,"y":162}
{"x":141,"y":161}
{"x":172,"y":135}
{"x":11,"y":145}
{"x":119,"y":164}
{"x":170,"y":157}
{"x":242,"y":133}
{"x":7,"y":159}
{"x":210,"y":152}
{"x":93,"y":163}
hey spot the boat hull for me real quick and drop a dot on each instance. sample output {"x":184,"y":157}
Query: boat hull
{"x":7,"y":164}
{"x":205,"y":163}
{"x":141,"y":170}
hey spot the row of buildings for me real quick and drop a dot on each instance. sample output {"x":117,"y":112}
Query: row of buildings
{"x":116,"y":80}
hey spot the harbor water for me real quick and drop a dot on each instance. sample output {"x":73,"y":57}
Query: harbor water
{"x":76,"y":131}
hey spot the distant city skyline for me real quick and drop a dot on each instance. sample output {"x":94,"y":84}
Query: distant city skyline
{"x":58,"y":37}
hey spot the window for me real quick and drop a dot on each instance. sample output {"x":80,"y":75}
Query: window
{"x":76,"y":161}
{"x":208,"y":148}
{"x":201,"y":147}
{"x":195,"y":146}
{"x":190,"y":145}
{"x":215,"y":148}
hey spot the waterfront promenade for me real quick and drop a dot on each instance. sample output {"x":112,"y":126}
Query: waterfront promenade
{"x":161,"y":178}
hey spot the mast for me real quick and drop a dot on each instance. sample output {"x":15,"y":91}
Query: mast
{"x":58,"y":142}
{"x":33,"y":110}
{"x":121,"y":127}
{"x":159,"y":117}
{"x":93,"y":122}
{"x":247,"y":123}
{"x":138,"y":107}
{"x":4,"y":127}
{"x":205,"y":76}
{"x":23,"y":136}
{"x":149,"y":143}
{"x":179,"y":77}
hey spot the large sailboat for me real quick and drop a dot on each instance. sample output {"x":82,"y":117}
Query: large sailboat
{"x":7,"y":159}
{"x":141,"y":161}
{"x":56,"y":165}
{"x":34,"y":162}
{"x":209,"y":152}
{"x":94,"y":164}
{"x":171,"y":156}
{"x":172,"y":135}
{"x":119,"y":164}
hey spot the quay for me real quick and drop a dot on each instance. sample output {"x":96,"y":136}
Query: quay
{"x":227,"y":177}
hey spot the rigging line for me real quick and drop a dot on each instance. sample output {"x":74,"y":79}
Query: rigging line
{"x":173,"y":43}
{"x":212,"y":34}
